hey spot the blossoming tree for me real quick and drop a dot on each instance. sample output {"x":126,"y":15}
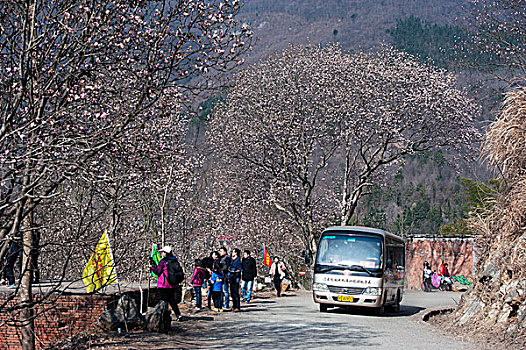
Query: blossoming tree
{"x":77,"y":76}
{"x":315,"y":128}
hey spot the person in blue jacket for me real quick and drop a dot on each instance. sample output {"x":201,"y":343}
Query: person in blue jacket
{"x":216,"y":285}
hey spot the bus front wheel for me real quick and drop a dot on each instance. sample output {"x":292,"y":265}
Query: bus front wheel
{"x":380,"y":311}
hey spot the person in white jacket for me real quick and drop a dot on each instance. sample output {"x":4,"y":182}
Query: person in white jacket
{"x":277,"y":271}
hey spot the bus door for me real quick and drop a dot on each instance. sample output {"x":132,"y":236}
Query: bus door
{"x":394,"y":276}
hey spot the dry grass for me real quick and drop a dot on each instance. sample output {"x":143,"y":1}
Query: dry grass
{"x":503,"y":243}
{"x":505,"y":145}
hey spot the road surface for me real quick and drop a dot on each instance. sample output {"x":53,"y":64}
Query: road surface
{"x":294,"y":322}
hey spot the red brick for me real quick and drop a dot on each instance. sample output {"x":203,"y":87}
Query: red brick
{"x":76,"y":313}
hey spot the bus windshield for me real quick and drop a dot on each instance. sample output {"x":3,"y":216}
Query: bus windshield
{"x":350,"y":250}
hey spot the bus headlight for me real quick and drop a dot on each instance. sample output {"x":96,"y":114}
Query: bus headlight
{"x":372,"y":291}
{"x":320,"y":287}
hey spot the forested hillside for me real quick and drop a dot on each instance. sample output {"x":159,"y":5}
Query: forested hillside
{"x":354,"y":24}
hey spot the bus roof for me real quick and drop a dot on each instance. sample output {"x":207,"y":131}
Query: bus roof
{"x":364,"y":230}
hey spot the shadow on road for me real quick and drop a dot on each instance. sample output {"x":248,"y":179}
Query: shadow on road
{"x":146,"y":340}
{"x":405,"y":310}
{"x":198,"y":318}
{"x":265,"y":302}
{"x":253,"y":309}
{"x":279,"y":335}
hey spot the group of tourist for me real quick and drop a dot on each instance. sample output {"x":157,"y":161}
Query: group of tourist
{"x":224,"y":276}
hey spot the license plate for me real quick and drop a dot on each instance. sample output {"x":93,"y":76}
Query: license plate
{"x":345,"y":298}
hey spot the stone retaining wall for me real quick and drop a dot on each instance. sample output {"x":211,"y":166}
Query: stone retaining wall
{"x":458,"y":252}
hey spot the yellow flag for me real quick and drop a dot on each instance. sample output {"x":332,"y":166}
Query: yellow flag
{"x":100,"y":270}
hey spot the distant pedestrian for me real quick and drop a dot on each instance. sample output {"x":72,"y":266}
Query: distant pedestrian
{"x":198,"y":277}
{"x":14,"y":254}
{"x":216,"y":285}
{"x":166,"y":291}
{"x":234,"y":277}
{"x":225,"y":265}
{"x":277,"y":270}
{"x":443,"y":270}
{"x":248,"y":274}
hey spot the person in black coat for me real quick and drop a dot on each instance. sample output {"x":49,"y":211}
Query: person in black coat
{"x":13,"y":255}
{"x":248,"y":274}
{"x":208,"y":263}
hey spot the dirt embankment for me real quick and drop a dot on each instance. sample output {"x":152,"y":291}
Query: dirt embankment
{"x":494,"y":311}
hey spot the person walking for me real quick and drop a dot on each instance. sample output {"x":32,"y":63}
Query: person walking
{"x":198,"y":277}
{"x":208,"y":264}
{"x":248,"y":274}
{"x":216,"y":286}
{"x":166,"y":291}
{"x":14,"y":254}
{"x":225,"y":265}
{"x":234,"y":276}
{"x":277,"y":270}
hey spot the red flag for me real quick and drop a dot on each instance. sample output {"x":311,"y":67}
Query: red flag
{"x":267,"y":261}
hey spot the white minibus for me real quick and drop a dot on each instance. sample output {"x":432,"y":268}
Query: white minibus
{"x":359,"y":267}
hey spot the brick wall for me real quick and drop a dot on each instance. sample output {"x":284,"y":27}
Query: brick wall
{"x":59,"y":317}
{"x":456,"y":251}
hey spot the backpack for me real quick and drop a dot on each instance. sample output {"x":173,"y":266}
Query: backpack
{"x":174,"y":271}
{"x":198,"y":277}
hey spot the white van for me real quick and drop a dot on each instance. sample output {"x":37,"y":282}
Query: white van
{"x":359,"y":266}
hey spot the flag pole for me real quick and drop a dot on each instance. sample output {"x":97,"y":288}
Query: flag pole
{"x":141,"y":292}
{"x":112,"y":259}
{"x":114,"y":268}
{"x":154,"y":249}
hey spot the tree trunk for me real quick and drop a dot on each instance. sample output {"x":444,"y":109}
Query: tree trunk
{"x":26,"y":291}
{"x":26,"y":281}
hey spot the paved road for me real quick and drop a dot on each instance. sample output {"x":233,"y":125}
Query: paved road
{"x":294,"y":322}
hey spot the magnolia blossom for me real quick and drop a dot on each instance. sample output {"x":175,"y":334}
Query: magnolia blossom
{"x":497,"y":30}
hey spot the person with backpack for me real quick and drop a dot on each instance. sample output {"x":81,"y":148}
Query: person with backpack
{"x":170,"y":276}
{"x":198,"y":277}
{"x":216,"y":286}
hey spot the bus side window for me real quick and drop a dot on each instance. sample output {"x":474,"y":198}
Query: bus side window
{"x":389,"y":262}
{"x":398,"y":256}
{"x":390,"y":254}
